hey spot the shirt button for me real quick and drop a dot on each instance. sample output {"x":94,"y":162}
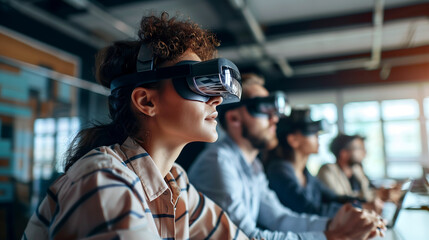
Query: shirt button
{"x":165,"y":193}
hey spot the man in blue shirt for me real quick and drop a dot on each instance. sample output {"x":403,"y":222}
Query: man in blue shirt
{"x":230,"y":173}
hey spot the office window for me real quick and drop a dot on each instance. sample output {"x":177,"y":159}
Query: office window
{"x":426,"y":107}
{"x":67,"y":130}
{"x":395,"y":129}
{"x":401,"y":170}
{"x":392,"y":132}
{"x":362,"y":111}
{"x":402,"y":137}
{"x":426,"y":115}
{"x":326,"y":111}
{"x":51,"y":139}
{"x":400,"y":109}
{"x":44,"y":149}
{"x":363,"y":118}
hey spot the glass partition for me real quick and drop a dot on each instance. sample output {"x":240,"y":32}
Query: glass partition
{"x":39,"y":116}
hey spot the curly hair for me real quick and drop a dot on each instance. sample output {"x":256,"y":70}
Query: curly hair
{"x":168,"y":38}
{"x":342,"y":141}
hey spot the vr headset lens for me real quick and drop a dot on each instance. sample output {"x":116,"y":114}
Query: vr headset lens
{"x":275,"y":104}
{"x":300,"y":119}
{"x":192,"y":80}
{"x":223,"y":84}
{"x":282,"y":105}
{"x":310,"y":128}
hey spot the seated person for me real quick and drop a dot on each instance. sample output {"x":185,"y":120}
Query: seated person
{"x":286,"y":168}
{"x":120,"y":180}
{"x":230,"y":173}
{"x":346,"y":176}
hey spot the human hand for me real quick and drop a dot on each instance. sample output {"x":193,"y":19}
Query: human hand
{"x":392,"y":194}
{"x":352,"y":223}
{"x":380,"y":224}
{"x":376,"y":205}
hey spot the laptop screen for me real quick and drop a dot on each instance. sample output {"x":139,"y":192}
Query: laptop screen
{"x":391,"y":210}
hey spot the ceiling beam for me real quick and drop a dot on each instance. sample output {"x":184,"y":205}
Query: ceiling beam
{"x":94,"y":8}
{"x":417,"y":71}
{"x":385,"y":54}
{"x":402,"y":65}
{"x":57,"y":23}
{"x":345,"y":21}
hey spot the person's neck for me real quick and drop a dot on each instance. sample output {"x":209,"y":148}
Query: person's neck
{"x":246,"y":147}
{"x":300,"y":161}
{"x":346,"y":168}
{"x":163,"y":153}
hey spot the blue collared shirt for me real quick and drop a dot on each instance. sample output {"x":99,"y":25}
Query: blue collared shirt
{"x":241,"y":189}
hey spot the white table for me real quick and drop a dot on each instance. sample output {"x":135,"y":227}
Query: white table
{"x":411,"y":224}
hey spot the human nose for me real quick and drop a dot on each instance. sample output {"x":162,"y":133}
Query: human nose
{"x":215,"y":100}
{"x":274,"y":118}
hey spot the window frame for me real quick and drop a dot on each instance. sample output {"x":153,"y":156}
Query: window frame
{"x":341,"y":96}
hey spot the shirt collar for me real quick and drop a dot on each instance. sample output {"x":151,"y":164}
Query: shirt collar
{"x":251,"y":169}
{"x":142,"y":164}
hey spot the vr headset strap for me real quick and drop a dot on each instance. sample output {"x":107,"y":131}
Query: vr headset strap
{"x":145,"y":59}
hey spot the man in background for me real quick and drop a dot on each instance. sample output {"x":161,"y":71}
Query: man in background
{"x":346,"y":176}
{"x":230,"y":173}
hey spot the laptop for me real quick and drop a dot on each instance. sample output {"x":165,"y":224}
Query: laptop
{"x":391,"y":210}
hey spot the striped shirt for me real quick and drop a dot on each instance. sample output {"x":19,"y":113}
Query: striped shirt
{"x":117,"y":192}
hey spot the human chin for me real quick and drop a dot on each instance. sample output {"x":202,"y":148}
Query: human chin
{"x":271,"y":144}
{"x":210,"y":135}
{"x":209,"y":127}
{"x":207,"y":130}
{"x":213,"y":137}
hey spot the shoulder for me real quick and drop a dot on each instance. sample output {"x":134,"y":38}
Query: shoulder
{"x":221,"y":148}
{"x":279,"y":165}
{"x":100,"y":160}
{"x":282,"y":177}
{"x":329,"y":167}
{"x":217,"y":164}
{"x":310,"y":178}
{"x":100,"y":172}
{"x":328,"y":171}
{"x":216,"y":155}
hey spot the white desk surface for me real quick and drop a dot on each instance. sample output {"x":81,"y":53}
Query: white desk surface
{"x":411,"y":224}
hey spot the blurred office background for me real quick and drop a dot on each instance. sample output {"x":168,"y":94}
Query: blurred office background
{"x":362,"y":65}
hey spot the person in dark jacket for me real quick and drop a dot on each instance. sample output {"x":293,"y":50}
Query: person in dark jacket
{"x":287,"y":172}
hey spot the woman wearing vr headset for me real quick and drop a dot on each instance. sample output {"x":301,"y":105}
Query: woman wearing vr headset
{"x":120,"y":179}
{"x":287,"y":172}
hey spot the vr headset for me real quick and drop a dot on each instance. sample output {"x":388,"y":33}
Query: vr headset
{"x":192,"y":80}
{"x":276,"y":104}
{"x":300,"y":120}
{"x":311,"y":128}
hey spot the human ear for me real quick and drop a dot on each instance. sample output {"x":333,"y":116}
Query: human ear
{"x":292,"y":140}
{"x":344,"y":154}
{"x":143,"y":101}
